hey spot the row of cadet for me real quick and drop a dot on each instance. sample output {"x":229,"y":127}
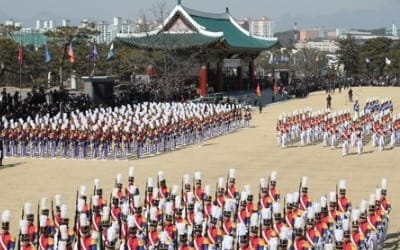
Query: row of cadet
{"x":120,"y":132}
{"x":191,"y":217}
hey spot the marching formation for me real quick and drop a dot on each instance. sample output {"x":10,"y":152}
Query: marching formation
{"x":121,"y":132}
{"x":190,"y":216}
{"x":376,"y":122}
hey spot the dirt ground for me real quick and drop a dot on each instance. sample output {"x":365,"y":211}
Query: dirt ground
{"x":252,"y":152}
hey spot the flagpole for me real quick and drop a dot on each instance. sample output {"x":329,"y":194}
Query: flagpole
{"x":20,"y":76}
{"x":20,"y":53}
{"x":94,"y":66}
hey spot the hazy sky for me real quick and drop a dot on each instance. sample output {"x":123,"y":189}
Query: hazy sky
{"x":279,"y":10}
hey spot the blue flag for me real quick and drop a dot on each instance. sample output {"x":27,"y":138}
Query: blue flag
{"x":94,"y":54}
{"x":47,"y":57}
{"x":111,"y":53}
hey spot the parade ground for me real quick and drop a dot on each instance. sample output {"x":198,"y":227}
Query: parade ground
{"x":253,"y":152}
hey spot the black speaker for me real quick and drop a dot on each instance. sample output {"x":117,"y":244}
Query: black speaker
{"x":100,"y":89}
{"x":284,"y":75}
{"x":103,"y":93}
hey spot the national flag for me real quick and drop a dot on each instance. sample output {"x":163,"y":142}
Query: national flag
{"x":111,"y":53}
{"x":47,"y":57}
{"x":71,"y":53}
{"x":258,"y":90}
{"x":94,"y":54}
{"x":20,"y":55}
{"x":387,"y":61}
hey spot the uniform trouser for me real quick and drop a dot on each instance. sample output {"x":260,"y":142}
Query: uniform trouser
{"x":95,"y":152}
{"x":126,"y":150}
{"x":116,"y":150}
{"x":360,"y":147}
{"x":53,"y":148}
{"x":4,"y":149}
{"x":199,"y":138}
{"x":345,"y":149}
{"x":284,"y":141}
{"x":139,"y":150}
{"x":43,"y":149}
{"x":23,"y":148}
{"x":33,"y":149}
{"x":64,"y":149}
{"x":381,"y":143}
{"x":333,"y":142}
{"x":13,"y":148}
{"x":104,"y":150}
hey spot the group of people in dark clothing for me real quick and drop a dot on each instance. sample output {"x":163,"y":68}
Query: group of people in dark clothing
{"x":38,"y":101}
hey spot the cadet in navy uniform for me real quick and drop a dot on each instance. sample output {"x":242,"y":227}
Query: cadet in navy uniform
{"x":356,"y":109}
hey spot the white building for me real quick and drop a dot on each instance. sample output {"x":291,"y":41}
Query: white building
{"x":65,"y":22}
{"x":326,"y":46}
{"x":109,"y":31}
{"x":261,"y":27}
{"x":44,"y":25}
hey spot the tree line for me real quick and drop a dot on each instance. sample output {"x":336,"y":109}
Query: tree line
{"x":377,"y":57}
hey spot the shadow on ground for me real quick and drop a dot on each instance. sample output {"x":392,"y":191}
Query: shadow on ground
{"x":392,"y":241}
{"x":11,"y":165}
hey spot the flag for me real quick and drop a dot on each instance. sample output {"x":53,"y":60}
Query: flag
{"x":71,"y":53}
{"x":276,"y":88}
{"x":94,"y":54}
{"x":20,"y":55}
{"x":258,"y":90}
{"x":271,"y":59}
{"x":111,"y":53}
{"x":47,"y":57}
{"x":387,"y":61}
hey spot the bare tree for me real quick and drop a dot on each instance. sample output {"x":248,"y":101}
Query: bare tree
{"x":158,"y":10}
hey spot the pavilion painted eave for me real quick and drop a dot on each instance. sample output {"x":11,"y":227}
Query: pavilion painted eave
{"x":171,"y":41}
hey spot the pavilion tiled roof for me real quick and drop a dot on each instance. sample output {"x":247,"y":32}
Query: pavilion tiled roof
{"x":208,"y":29}
{"x":234,"y":35}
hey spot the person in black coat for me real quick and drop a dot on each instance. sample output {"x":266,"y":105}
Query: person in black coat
{"x":1,"y":152}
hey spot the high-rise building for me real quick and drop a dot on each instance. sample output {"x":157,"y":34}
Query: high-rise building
{"x":38,"y":25}
{"x":65,"y":22}
{"x":393,"y":31}
{"x":261,"y":27}
{"x":109,"y":31}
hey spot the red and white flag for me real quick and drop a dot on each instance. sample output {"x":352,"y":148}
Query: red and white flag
{"x":71,"y":53}
{"x":276,"y":88}
{"x":20,"y":55}
{"x":258,"y":90}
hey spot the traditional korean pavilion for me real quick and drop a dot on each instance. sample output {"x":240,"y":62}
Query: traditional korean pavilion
{"x":226,"y":43}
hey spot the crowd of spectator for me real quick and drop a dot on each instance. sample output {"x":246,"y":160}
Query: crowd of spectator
{"x":154,"y":91}
{"x":38,"y":101}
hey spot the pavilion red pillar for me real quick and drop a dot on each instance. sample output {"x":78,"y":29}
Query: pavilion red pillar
{"x":203,"y":79}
